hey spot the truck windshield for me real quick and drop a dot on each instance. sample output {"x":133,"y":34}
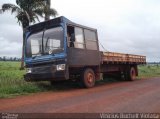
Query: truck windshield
{"x":46,"y":42}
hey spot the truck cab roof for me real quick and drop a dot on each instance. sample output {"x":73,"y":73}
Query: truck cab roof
{"x":53,"y":22}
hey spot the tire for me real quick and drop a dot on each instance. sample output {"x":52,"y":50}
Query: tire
{"x":88,"y":78}
{"x":132,"y":74}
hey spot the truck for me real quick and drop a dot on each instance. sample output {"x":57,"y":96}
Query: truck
{"x":59,"y":49}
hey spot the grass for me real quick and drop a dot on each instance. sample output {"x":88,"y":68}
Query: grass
{"x":12,"y":83}
{"x":147,"y":71}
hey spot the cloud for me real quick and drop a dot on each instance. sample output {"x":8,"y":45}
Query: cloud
{"x":10,"y":36}
{"x":9,"y":48}
{"x":12,"y":32}
{"x":126,"y":26}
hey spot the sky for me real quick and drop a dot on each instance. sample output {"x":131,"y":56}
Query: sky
{"x":125,"y":26}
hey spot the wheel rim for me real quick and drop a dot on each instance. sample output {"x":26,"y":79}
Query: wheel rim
{"x":90,"y":78}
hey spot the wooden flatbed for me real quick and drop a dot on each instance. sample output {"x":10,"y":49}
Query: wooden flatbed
{"x":113,"y":57}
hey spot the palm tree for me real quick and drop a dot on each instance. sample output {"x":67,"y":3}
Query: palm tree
{"x":26,"y":12}
{"x":48,"y":5}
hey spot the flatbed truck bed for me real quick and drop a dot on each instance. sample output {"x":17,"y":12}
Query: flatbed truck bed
{"x":121,"y":58}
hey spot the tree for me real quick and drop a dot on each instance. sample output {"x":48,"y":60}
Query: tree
{"x":48,"y":5}
{"x":26,"y":12}
{"x":4,"y":58}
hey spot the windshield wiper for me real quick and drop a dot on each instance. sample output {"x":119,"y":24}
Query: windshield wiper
{"x":46,"y":43}
{"x":42,"y":42}
{"x":34,"y":57}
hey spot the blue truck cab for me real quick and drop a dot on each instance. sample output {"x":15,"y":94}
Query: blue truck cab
{"x":59,"y":49}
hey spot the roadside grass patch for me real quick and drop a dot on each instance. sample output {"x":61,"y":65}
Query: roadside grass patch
{"x":12,"y":82}
{"x":147,"y":71}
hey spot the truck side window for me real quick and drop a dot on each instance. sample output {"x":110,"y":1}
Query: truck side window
{"x":91,"y":41}
{"x":79,"y":38}
{"x":72,"y":40}
{"x":70,"y":36}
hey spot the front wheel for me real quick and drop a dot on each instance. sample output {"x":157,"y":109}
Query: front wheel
{"x":88,"y":78}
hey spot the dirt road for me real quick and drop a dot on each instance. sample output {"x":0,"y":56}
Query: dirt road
{"x":123,"y":97}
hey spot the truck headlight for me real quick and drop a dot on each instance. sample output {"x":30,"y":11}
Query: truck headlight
{"x":28,"y":70}
{"x":61,"y":67}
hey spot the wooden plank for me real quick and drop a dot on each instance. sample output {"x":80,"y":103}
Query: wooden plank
{"x":122,"y":58}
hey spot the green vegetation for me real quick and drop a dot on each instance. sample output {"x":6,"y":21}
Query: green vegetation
{"x":147,"y":71}
{"x":12,"y":83}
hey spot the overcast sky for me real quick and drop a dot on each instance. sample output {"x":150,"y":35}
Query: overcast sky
{"x":126,"y":26}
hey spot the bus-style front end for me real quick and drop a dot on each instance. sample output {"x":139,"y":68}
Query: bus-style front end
{"x":45,"y":52}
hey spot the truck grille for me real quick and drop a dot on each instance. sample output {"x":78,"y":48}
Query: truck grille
{"x":44,"y":69}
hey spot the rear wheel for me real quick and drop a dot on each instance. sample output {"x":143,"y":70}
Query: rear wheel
{"x":88,"y":78}
{"x":132,"y":74}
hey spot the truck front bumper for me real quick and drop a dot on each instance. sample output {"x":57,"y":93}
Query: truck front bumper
{"x":45,"y":74}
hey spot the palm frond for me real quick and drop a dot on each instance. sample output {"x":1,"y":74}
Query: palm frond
{"x":16,"y":10}
{"x":39,"y":12}
{"x":10,"y":7}
{"x":52,"y":12}
{"x":38,"y":4}
{"x":23,"y":19}
{"x":36,"y":17}
{"x":7,"y":7}
{"x":28,"y":11}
